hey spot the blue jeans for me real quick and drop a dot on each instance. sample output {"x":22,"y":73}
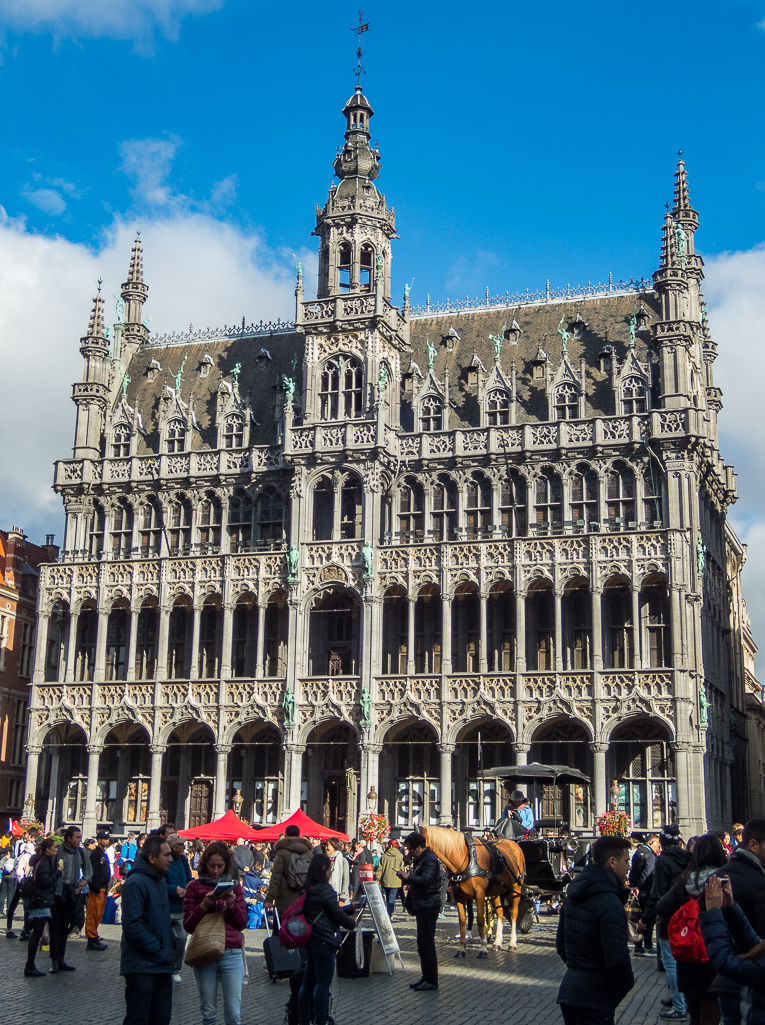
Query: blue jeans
{"x":391,"y":892}
{"x":230,"y":970}
{"x":671,"y":968}
{"x":317,"y":981}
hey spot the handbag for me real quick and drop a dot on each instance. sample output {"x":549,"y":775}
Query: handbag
{"x":633,"y":911}
{"x":208,"y":941}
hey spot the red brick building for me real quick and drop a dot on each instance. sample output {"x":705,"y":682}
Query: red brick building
{"x":19,"y":561}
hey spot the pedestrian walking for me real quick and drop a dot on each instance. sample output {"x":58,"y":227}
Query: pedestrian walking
{"x":340,"y":874}
{"x":7,"y":878}
{"x":423,"y":900}
{"x":146,"y":954}
{"x":391,"y":863}
{"x":20,"y":871}
{"x":98,"y":888}
{"x":177,"y":879}
{"x":45,"y":876}
{"x":197,"y":847}
{"x":215,"y":866}
{"x":694,"y":977}
{"x":292,"y":857}
{"x":592,"y":937}
{"x":672,"y":861}
{"x":641,"y":880}
{"x":323,"y":911}
{"x":76,"y":871}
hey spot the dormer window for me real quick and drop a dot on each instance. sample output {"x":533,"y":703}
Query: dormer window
{"x":121,"y":441}
{"x":633,"y":396}
{"x":431,"y":415}
{"x":176,"y":436}
{"x":344,"y":267}
{"x":566,"y":402}
{"x":498,"y":409}
{"x":152,"y":370}
{"x":366,"y":263}
{"x":206,"y":365}
{"x":233,"y":431}
{"x":538,"y":371}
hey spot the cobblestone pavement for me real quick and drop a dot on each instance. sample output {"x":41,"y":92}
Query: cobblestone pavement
{"x":506,"y":988}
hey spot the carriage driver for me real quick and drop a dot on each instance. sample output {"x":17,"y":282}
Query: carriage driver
{"x":519,"y":815}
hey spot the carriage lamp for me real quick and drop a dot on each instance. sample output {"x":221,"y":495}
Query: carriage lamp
{"x":616,"y":795}
{"x":238,"y":802}
{"x":29,"y":804}
{"x":372,"y":798}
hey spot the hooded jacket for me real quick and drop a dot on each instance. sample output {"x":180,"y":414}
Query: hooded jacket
{"x":672,"y":861}
{"x":391,"y":862}
{"x":592,"y":941}
{"x":642,"y":869}
{"x":279,"y":891}
{"x":147,"y":936}
{"x":178,"y":874}
{"x":424,"y":883}
{"x":721,"y":930}
{"x":747,"y":880}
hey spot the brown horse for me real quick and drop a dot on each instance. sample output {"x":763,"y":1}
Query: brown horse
{"x":452,"y":850}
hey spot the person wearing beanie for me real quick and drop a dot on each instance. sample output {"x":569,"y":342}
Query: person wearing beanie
{"x":177,"y":879}
{"x":98,"y":889}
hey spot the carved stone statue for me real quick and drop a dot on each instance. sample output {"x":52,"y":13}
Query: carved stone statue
{"x":288,"y":704}
{"x":564,"y":336}
{"x":368,"y":554}
{"x":366,"y":707}
{"x":431,"y":353}
{"x":293,"y":562}
{"x":701,"y":557}
{"x":681,"y":240}
{"x":703,"y":707}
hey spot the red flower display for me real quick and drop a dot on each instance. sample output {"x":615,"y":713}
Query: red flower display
{"x":614,"y":823}
{"x":374,"y":827}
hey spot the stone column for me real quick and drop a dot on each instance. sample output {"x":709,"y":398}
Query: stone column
{"x":558,"y":599}
{"x":194,"y":646}
{"x":102,"y":627}
{"x":260,"y":668}
{"x":483,"y":664}
{"x":597,"y":629}
{"x":521,"y":753}
{"x":221,"y":767}
{"x":226,"y":643}
{"x":411,"y":608}
{"x":446,"y":634}
{"x":157,"y":750}
{"x":71,"y":648}
{"x":520,"y":633}
{"x":132,"y":641}
{"x":43,"y":625}
{"x":163,"y":633}
{"x":637,"y":654}
{"x":446,"y":751}
{"x":89,"y":821}
{"x":33,"y":763}
{"x":293,"y":778}
{"x":600,"y":786}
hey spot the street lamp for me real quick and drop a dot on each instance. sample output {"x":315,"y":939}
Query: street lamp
{"x":616,"y":795}
{"x":238,"y":802}
{"x":372,"y":799}
{"x":29,"y":804}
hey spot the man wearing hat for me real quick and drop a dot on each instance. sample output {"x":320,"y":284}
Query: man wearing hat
{"x":99,"y":888}
{"x":177,"y":879}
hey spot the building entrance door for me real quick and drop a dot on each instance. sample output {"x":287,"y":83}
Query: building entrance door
{"x":200,"y":804}
{"x":335,"y":803}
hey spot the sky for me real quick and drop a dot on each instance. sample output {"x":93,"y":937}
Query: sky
{"x":520,"y":143}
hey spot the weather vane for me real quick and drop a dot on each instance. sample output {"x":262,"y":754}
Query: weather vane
{"x":362,"y":27}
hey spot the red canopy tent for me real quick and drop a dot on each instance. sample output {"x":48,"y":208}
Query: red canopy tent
{"x":307,"y":828}
{"x":229,"y":828}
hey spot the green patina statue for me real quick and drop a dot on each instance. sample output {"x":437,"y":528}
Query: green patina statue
{"x":701,"y":557}
{"x":288,"y":704}
{"x":382,"y":377}
{"x":498,"y":340}
{"x":293,"y":561}
{"x":119,"y":304}
{"x":179,"y":376}
{"x":368,"y":554}
{"x":431,"y":354}
{"x":293,"y":364}
{"x":125,"y":382}
{"x":288,"y":384}
{"x":633,"y":328}
{"x":703,"y":707}
{"x":236,"y":371}
{"x":299,"y":269}
{"x":564,"y":337}
{"x":366,"y":707}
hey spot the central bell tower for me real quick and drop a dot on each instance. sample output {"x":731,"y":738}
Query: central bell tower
{"x":355,"y":226}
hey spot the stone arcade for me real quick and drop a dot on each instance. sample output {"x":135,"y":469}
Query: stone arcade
{"x":383,"y":547}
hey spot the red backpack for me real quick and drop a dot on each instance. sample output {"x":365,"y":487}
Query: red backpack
{"x":295,"y":930}
{"x":684,"y":932}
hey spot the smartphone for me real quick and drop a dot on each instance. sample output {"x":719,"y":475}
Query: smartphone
{"x":223,"y":889}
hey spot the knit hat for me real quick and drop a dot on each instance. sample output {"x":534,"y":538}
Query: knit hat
{"x":670,"y":834}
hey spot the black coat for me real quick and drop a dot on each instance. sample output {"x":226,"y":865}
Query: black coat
{"x":424,"y":883}
{"x":592,"y":940}
{"x":721,"y":930}
{"x":670,"y":863}
{"x":322,"y":898}
{"x":102,"y":870}
{"x":642,"y":868}
{"x":147,"y":935}
{"x":747,"y":880}
{"x":45,"y":875}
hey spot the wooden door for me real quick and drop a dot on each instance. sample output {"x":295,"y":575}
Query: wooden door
{"x":200,"y":808}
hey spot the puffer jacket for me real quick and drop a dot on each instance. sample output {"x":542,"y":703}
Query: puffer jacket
{"x":279,"y":892}
{"x":721,"y":930}
{"x":178,"y":874}
{"x":391,"y":862}
{"x":147,"y":936}
{"x":424,"y":883}
{"x":747,"y":880}
{"x":592,"y":941}
{"x":670,"y":863}
{"x":45,"y":874}
{"x":322,"y":898}
{"x":234,"y":915}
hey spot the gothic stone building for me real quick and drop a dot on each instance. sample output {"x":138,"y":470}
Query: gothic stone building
{"x":387,"y":547}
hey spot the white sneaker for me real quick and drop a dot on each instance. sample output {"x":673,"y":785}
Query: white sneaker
{"x":176,"y":978}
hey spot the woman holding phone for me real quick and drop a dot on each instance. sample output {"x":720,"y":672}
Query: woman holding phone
{"x":213,"y":891}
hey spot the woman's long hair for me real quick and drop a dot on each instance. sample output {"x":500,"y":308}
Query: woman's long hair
{"x":707,"y":853}
{"x":317,"y":870}
{"x":45,"y":844}
{"x":220,"y":848}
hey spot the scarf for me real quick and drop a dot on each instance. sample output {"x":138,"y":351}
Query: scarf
{"x":696,"y":881}
{"x":225,"y":878}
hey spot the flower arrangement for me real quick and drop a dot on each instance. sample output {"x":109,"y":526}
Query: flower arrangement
{"x":374,"y":827}
{"x":614,"y":823}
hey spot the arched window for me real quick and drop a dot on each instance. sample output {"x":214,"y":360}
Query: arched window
{"x":617,"y":607}
{"x":577,"y":640}
{"x":512,"y":505}
{"x":344,"y":266}
{"x":548,"y":507}
{"x":209,"y":522}
{"x":444,"y":515}
{"x":656,"y":617}
{"x":620,"y":497}
{"x":176,"y":436}
{"x":584,"y":498}
{"x":642,"y":763}
{"x":270,"y":515}
{"x":149,"y":530}
{"x":121,"y":441}
{"x":633,"y":396}
{"x":652,"y":505}
{"x":240,"y":522}
{"x":233,"y":431}
{"x":146,"y":639}
{"x":116,"y":642}
{"x":477,"y":507}
{"x":431,"y":414}
{"x":366,"y":263}
{"x":498,"y":409}
{"x":122,"y":530}
{"x":96,"y":531}
{"x":179,"y":521}
{"x":540,"y":629}
{"x":411,"y":502}
{"x":566,"y":402}
{"x":323,"y":509}
{"x":350,"y":508}
{"x":342,"y":389}
{"x":180,"y":617}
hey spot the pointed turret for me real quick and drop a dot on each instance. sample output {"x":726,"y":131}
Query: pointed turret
{"x":90,"y":395}
{"x":96,"y":325}
{"x":134,"y":294}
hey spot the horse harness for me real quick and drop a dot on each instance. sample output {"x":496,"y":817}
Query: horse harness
{"x":499,"y":863}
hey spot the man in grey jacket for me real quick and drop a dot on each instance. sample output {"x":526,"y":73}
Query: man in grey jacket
{"x":76,"y":871}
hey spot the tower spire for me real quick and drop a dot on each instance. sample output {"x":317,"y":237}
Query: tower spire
{"x":134,"y":294}
{"x":96,"y":324}
{"x":359,"y":52}
{"x":682,"y":195}
{"x":91,"y":393}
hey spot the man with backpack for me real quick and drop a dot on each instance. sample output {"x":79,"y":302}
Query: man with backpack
{"x":292,"y":857}
{"x":641,"y":880}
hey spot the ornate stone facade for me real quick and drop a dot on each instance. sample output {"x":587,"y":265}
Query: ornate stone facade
{"x":386,"y":547}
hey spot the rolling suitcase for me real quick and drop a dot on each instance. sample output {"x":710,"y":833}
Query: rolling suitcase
{"x":280,"y":962}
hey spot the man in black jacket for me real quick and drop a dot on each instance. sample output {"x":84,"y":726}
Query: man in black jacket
{"x":641,"y":879}
{"x":746,"y":870}
{"x":423,"y":900}
{"x":98,"y":890}
{"x":592,"y":937}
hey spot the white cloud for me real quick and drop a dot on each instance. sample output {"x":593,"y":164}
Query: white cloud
{"x":137,"y":20}
{"x":47,"y":200}
{"x":148,"y":163}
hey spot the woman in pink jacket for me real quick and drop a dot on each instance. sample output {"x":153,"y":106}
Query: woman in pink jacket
{"x":215,"y":867}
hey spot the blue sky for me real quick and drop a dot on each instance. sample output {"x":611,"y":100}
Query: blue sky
{"x":520,"y":143}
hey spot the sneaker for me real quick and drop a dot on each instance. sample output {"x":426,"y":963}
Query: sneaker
{"x":24,"y":936}
{"x":673,"y":1015}
{"x":95,"y":945}
{"x":176,"y":978}
{"x":10,"y":934}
